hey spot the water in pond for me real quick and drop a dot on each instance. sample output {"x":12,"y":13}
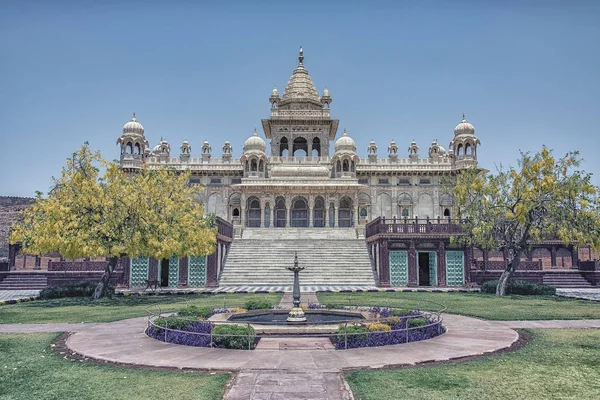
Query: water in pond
{"x":280,"y":317}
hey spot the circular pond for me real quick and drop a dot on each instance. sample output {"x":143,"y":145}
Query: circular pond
{"x":279,"y":317}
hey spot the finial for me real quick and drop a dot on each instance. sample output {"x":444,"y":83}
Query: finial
{"x":133,"y":118}
{"x":255,"y":132}
{"x":301,"y":56}
{"x":464,"y":117}
{"x":345,"y":133}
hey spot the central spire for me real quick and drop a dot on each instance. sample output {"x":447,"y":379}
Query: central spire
{"x":300,"y":87}
{"x":301,"y":57}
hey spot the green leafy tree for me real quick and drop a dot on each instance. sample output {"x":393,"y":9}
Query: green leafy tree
{"x":544,"y":198}
{"x":112,"y":214}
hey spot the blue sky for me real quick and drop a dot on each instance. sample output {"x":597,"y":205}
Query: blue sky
{"x":525,"y":73}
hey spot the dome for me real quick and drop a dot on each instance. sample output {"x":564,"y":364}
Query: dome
{"x":133,"y":126}
{"x":464,"y":128}
{"x":345,"y":143}
{"x":274,"y":92}
{"x":300,"y":87}
{"x":325,"y":92}
{"x":255,"y":142}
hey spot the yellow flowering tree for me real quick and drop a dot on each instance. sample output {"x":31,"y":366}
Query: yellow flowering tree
{"x":544,"y":198}
{"x":108,"y":213}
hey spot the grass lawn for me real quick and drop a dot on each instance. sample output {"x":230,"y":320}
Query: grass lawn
{"x":119,"y":307}
{"x":556,"y":364}
{"x":30,"y":370}
{"x":475,"y":304}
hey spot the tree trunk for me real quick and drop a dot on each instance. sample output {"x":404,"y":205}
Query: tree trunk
{"x":102,"y":286}
{"x":506,"y":275}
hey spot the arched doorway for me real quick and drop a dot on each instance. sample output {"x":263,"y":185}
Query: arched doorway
{"x":319,"y":213}
{"x":345,"y":213}
{"x":253,"y":213}
{"x":300,"y":144}
{"x":280,"y":212}
{"x":299,"y":213}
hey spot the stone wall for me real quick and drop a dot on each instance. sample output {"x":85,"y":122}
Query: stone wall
{"x":9,"y":212}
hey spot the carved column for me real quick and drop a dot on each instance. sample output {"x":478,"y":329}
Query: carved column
{"x":272,"y":217}
{"x":327,"y":222}
{"x":441,"y":257}
{"x":243,"y":215}
{"x":384,"y":262}
{"x":311,"y":217}
{"x":356,"y":215}
{"x":574,"y":256}
{"x":288,"y":212}
{"x":335,"y":218}
{"x":262,"y":216}
{"x":413,"y":273}
{"x":553,"y":257}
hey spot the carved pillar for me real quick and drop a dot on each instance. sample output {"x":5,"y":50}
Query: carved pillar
{"x":335,"y":218}
{"x":356,"y":215}
{"x":272,"y":217}
{"x":486,"y":258}
{"x":574,"y":256}
{"x":211,"y":270}
{"x":553,"y":257}
{"x":183,"y":271}
{"x":262,"y":217}
{"x":413,"y":273}
{"x":441,"y":257}
{"x":288,"y":212}
{"x":311,"y":217}
{"x":327,"y":222}
{"x":384,"y":264}
{"x":243,"y":215}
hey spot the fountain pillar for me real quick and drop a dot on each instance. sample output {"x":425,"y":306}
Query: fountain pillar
{"x":296,"y":313}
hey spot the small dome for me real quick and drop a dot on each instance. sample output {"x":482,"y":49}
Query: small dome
{"x":274,"y":92}
{"x":345,"y":143}
{"x":464,"y":128}
{"x":185,"y":142}
{"x":325,"y":92}
{"x":133,"y":126}
{"x":255,"y":143}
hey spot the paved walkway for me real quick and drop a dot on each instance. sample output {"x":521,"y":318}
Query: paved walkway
{"x":17,"y":294}
{"x":587,"y":294}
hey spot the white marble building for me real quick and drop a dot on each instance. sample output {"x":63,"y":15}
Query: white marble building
{"x":302,"y":182}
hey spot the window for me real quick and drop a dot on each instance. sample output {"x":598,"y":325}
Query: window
{"x":384,"y":181}
{"x":424,"y":181}
{"x":363,"y":181}
{"x":236,"y":181}
{"x":215,"y":181}
{"x":403,"y":182}
{"x":195,"y":181}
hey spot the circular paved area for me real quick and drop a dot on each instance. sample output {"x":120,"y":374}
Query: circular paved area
{"x":125,"y":342}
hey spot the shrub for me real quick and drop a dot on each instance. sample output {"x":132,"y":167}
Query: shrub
{"x":391,"y":321}
{"x":417,"y":322}
{"x":246,"y":341}
{"x":400,"y":312}
{"x":195,"y":311}
{"x":520,"y":287}
{"x":258,"y":304}
{"x":378,"y":327}
{"x":83,"y":289}
{"x":173,"y":322}
{"x":351,"y":331}
{"x":238,"y":310}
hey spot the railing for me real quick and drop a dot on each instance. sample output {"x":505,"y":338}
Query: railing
{"x":224,"y":228}
{"x":411,"y":226}
{"x":501,"y":265}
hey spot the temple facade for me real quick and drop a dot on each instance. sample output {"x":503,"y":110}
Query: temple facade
{"x":300,"y":173}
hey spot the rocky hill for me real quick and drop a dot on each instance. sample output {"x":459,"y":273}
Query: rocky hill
{"x":9,"y":212}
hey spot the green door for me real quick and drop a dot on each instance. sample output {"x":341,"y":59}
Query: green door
{"x":173,"y":271}
{"x":433,"y":279}
{"x":455,"y":268}
{"x":138,"y":271}
{"x":196,"y":271}
{"x":399,"y":267}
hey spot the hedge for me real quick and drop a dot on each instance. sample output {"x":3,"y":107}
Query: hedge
{"x":520,"y":287}
{"x":83,"y":289}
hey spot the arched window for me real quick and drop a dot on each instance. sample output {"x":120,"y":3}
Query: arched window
{"x":459,"y":151}
{"x":283,"y":146}
{"x":467,"y":149}
{"x":254,"y":213}
{"x":236,"y":212}
{"x":261,"y":166}
{"x":447,"y":212}
{"x":339,"y":166}
{"x":316,"y":147}
{"x":137,"y":149}
{"x":405,"y":212}
{"x":345,"y":167}
{"x":129,"y":148}
{"x":253,"y":165}
{"x":345,"y":213}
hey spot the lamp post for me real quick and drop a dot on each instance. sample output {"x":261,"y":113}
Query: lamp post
{"x":296,"y":313}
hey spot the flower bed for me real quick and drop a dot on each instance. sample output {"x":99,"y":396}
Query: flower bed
{"x":395,"y":326}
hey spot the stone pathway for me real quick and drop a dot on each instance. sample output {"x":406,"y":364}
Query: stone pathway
{"x":17,"y":294}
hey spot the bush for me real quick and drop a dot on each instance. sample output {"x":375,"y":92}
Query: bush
{"x":378,"y":327}
{"x":351,"y":330}
{"x":174,"y":322}
{"x":520,"y":287}
{"x":244,"y":342}
{"x":391,"y":321}
{"x":400,"y":312}
{"x":258,"y":304}
{"x":195,"y":311}
{"x":417,"y":322}
{"x":83,"y":289}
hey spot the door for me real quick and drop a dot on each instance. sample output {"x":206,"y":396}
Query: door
{"x":398,"y":267}
{"x":455,"y":268}
{"x":433,"y":279}
{"x":173,"y":271}
{"x":196,"y":271}
{"x":138,"y":271}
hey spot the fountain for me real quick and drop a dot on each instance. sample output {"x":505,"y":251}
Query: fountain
{"x":296,"y":313}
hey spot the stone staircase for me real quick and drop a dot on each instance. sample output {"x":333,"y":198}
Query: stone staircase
{"x":331,"y":256}
{"x":24,"y":281}
{"x":566,"y":279}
